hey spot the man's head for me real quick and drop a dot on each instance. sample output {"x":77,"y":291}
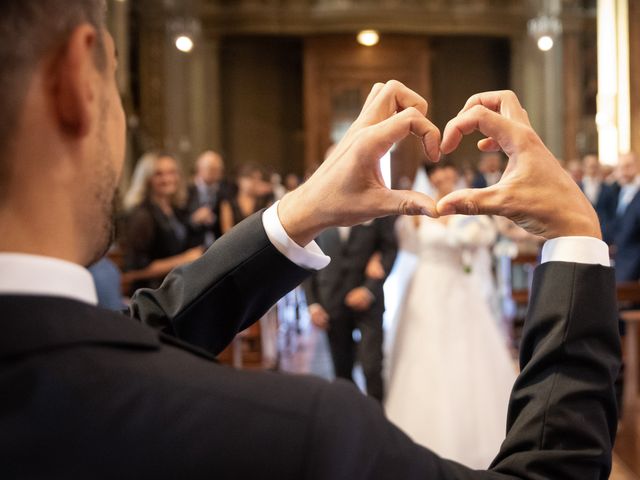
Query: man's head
{"x":574,"y":167}
{"x":627,"y":168}
{"x":251,"y":180}
{"x":443,"y":176}
{"x":591,"y":165}
{"x":61,"y":125}
{"x":210,"y":167}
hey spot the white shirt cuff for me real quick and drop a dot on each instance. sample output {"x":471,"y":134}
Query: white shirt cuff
{"x":576,"y":249}
{"x":310,"y":257}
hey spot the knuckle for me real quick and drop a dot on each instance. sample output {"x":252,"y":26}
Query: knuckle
{"x":413,"y":112}
{"x":478,"y":110}
{"x":526,"y":136}
{"x":470,"y":207}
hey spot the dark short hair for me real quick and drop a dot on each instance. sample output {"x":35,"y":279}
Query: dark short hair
{"x":30,"y":29}
{"x":249,"y":169}
{"x":432,"y":167}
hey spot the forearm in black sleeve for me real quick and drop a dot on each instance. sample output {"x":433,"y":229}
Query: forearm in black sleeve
{"x":208,"y":301}
{"x":562,"y":414}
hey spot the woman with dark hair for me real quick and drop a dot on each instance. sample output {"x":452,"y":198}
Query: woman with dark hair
{"x":157,"y":232}
{"x":253,"y":193}
{"x":451,"y":371}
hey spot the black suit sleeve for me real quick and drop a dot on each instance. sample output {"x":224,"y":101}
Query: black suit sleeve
{"x":562,"y":412}
{"x":208,"y":301}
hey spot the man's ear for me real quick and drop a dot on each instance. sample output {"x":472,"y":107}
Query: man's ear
{"x":74,"y":87}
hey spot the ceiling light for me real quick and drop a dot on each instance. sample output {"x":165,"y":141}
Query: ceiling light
{"x":545,"y":43}
{"x":184,"y":43}
{"x":368,"y":38}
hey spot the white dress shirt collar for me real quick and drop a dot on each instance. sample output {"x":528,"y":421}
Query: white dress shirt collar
{"x":22,"y":274}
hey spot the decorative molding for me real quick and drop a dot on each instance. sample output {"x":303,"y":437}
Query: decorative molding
{"x":434,"y":17}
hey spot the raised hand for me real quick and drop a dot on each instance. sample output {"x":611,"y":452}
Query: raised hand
{"x":319,"y":316}
{"x":534,"y":191}
{"x":359,"y":299}
{"x":348,"y":187}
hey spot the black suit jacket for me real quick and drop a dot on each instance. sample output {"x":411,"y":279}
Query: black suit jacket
{"x":624,"y":232}
{"x":479,"y":181}
{"x":328,"y":287}
{"x":87,"y":393}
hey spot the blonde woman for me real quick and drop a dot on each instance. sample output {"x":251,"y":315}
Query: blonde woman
{"x":158,"y":236}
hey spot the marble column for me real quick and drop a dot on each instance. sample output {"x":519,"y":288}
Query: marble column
{"x":572,"y":86}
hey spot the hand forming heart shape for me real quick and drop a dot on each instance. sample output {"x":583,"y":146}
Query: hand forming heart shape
{"x":534,"y":191}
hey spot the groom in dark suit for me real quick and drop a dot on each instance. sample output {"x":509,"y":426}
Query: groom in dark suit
{"x":341,"y":297}
{"x":87,"y":393}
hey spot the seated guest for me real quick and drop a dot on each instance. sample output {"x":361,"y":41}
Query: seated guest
{"x":107,"y":278}
{"x":489,"y":170}
{"x":204,"y":196}
{"x":252,"y":194}
{"x":597,"y":191}
{"x":157,"y":234}
{"x":623,"y":232}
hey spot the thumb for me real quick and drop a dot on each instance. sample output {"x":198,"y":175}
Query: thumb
{"x":408,"y":202}
{"x":471,"y":201}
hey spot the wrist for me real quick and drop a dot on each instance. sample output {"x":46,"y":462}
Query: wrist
{"x":298,"y":220}
{"x":580,"y":225}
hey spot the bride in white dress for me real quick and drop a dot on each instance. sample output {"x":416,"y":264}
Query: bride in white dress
{"x":451,"y":372}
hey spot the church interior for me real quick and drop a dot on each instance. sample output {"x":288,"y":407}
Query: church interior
{"x":267,"y":86}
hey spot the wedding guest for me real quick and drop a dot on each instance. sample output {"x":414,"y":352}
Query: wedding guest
{"x":252,"y":195}
{"x":204,"y":196}
{"x":575,"y":169}
{"x":291,"y":182}
{"x":254,"y":192}
{"x":348,"y":295}
{"x":489,"y":170}
{"x":601,"y":195}
{"x":157,"y":235}
{"x":277,"y":188}
{"x":624,"y":230}
{"x":107,"y":278}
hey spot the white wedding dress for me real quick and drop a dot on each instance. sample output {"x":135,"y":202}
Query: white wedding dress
{"x":450,"y":370}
